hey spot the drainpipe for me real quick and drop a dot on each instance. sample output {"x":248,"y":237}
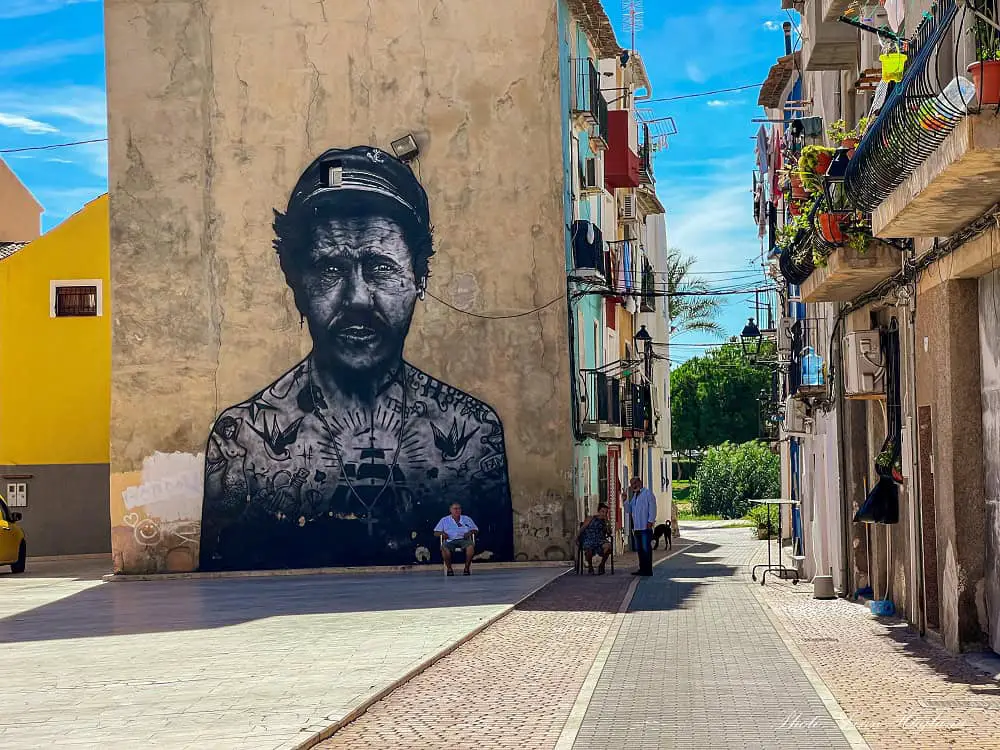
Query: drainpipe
{"x":915,"y":462}
{"x":787,"y":28}
{"x":845,"y":500}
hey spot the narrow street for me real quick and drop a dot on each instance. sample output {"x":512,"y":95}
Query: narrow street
{"x":702,"y":658}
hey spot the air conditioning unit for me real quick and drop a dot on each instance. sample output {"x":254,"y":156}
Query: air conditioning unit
{"x":864,"y":365}
{"x":627,"y":207}
{"x":795,"y":421}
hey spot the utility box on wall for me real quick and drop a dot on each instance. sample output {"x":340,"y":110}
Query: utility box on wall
{"x":864,"y":365}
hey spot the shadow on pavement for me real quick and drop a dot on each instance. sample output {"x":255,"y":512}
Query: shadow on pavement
{"x":165,"y":606}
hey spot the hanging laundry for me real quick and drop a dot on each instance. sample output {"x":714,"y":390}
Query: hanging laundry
{"x":894,"y":9}
{"x":762,"y":151}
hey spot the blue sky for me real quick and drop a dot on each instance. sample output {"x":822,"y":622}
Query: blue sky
{"x":52,"y":90}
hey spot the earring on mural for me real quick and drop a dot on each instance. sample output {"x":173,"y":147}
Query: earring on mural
{"x":421,"y":291}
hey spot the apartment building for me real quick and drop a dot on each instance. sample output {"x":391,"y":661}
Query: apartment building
{"x":889,"y":342}
{"x":453,"y":372}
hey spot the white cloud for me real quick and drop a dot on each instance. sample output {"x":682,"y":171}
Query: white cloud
{"x":723,"y":102}
{"x":772,"y":25}
{"x":78,"y":112}
{"x":86,"y":105}
{"x":26,"y":124}
{"x":50,"y":52}
{"x":694,"y":72}
{"x":25,"y":8}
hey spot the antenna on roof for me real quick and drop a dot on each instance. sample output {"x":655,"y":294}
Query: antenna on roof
{"x":632,"y":15}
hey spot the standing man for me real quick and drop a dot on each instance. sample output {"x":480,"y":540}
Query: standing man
{"x":642,"y":509}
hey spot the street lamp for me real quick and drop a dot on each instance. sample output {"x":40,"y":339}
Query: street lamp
{"x":751,"y":339}
{"x":642,"y":335}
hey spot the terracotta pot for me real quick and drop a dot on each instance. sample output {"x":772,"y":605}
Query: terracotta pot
{"x":823,"y":163}
{"x":850,"y":144}
{"x":986,"y":77}
{"x":798,"y":189}
{"x":794,"y":208}
{"x":830,"y":227}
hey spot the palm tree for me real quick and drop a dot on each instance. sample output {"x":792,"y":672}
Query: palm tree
{"x":697,"y":310}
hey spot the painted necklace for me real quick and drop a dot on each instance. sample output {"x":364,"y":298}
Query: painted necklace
{"x":313,"y":388}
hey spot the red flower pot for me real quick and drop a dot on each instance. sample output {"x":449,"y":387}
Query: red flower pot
{"x":850,"y":144}
{"x":986,"y":76}
{"x":794,"y":208}
{"x":798,"y":190}
{"x":831,"y":226}
{"x":823,"y":163}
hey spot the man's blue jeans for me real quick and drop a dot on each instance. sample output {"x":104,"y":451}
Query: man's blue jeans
{"x":644,"y":548}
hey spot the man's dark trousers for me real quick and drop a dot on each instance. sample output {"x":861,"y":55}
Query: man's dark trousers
{"x":644,"y":548}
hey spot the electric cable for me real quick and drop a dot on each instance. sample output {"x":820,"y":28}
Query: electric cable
{"x":51,"y":146}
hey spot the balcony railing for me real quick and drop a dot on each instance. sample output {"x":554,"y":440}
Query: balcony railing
{"x":647,"y":303}
{"x":807,"y":375}
{"x":637,"y":408}
{"x":614,"y":404}
{"x":586,"y":89}
{"x":914,"y":121}
{"x":646,"y":158}
{"x":600,"y":403}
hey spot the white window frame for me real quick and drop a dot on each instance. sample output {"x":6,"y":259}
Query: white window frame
{"x":55,"y":284}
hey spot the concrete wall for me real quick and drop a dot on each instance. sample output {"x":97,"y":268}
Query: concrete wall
{"x":216,"y":107}
{"x":67,"y":510}
{"x":948,"y":380}
{"x":20,"y":213}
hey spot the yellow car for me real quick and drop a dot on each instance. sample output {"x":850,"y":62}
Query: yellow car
{"x":13,"y":550}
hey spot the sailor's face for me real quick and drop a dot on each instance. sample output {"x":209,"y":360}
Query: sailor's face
{"x":357,"y":293}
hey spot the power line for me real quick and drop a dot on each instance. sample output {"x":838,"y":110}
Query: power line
{"x":497,"y":317}
{"x":704,"y":93}
{"x":51,"y":146}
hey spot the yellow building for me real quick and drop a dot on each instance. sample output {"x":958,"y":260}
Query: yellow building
{"x":55,"y":340}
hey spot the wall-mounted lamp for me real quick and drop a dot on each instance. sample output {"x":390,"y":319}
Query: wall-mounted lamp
{"x":405,"y":148}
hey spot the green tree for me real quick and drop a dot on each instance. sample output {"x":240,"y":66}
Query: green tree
{"x":730,"y":476}
{"x":714,"y":398}
{"x":697,"y":310}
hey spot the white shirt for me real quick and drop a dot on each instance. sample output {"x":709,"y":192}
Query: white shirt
{"x":455,"y":529}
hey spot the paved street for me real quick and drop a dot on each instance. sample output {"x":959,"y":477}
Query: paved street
{"x":697,"y":664}
{"x":701,"y":658}
{"x":228,"y":663}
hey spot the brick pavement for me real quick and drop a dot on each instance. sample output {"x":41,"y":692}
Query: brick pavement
{"x":231,"y":663}
{"x":900,"y":690}
{"x":512,"y":686}
{"x":698,"y":664}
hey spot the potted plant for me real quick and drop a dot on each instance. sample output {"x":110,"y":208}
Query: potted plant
{"x":986,"y":70}
{"x":848,"y":138}
{"x":813,"y":163}
{"x":831,"y":226}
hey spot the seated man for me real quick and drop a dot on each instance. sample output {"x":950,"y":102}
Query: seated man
{"x":456,"y":533}
{"x":593,"y":537}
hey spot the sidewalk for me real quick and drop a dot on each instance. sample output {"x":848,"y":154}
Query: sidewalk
{"x":900,"y":690}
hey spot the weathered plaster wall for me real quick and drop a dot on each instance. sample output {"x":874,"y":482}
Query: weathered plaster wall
{"x":215,"y":108}
{"x":948,"y":380}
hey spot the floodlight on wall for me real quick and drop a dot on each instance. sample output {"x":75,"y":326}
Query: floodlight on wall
{"x":405,"y":148}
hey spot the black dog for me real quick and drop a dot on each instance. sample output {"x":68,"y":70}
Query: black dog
{"x":662,"y":531}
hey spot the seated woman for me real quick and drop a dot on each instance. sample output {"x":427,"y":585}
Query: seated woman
{"x":593,"y":538}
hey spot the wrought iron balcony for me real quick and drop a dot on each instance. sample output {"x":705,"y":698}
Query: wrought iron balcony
{"x":600,"y":404}
{"x":808,"y":372}
{"x":929,"y":164}
{"x":587,"y":91}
